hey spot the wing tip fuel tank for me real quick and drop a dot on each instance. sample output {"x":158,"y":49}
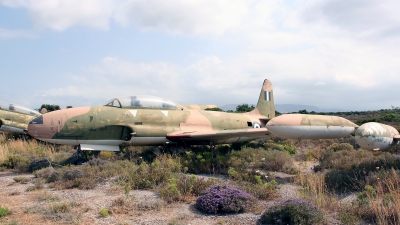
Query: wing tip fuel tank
{"x":376,"y":136}
{"x":302,"y":126}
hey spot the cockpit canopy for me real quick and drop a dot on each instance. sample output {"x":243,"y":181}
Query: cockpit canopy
{"x":18,"y":108}
{"x":141,"y":101}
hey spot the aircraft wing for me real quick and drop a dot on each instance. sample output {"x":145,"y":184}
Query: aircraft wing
{"x":397,"y":137}
{"x":197,"y":135}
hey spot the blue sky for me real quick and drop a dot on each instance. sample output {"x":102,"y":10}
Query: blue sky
{"x":330,"y":54}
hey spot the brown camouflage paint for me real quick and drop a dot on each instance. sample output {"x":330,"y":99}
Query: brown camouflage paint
{"x":310,"y":120}
{"x":111,"y":123}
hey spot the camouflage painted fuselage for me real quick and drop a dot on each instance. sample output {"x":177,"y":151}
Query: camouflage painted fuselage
{"x":105,"y":125}
{"x":15,"y":118}
{"x":150,"y":120}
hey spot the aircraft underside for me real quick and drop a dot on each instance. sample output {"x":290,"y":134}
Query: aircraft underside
{"x":113,"y":145}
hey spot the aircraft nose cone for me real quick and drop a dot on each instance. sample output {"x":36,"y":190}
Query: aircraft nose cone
{"x":38,"y":128}
{"x":34,"y":125}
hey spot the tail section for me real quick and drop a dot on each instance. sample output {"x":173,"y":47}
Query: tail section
{"x":265,"y":104}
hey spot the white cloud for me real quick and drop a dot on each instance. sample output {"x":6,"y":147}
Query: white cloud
{"x":361,"y":18}
{"x":59,"y":15}
{"x":198,"y":17}
{"x":313,"y":48}
{"x":8,"y":34}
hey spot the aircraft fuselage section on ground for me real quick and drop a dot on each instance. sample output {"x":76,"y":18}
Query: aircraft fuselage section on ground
{"x":15,"y":118}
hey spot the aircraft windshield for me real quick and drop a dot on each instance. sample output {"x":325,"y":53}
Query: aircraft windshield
{"x":141,"y":101}
{"x":18,"y":108}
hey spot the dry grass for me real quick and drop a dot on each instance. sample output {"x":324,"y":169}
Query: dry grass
{"x":314,"y":189}
{"x":26,"y":151}
{"x":378,"y":204}
{"x":163,"y":175}
{"x":385,"y":199}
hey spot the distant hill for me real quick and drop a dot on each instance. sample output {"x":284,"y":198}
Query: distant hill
{"x":287,"y":108}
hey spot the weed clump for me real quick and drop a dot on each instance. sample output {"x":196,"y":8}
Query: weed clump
{"x":16,"y":161}
{"x":22,"y":180}
{"x":224,"y":199}
{"x":38,"y":184}
{"x":72,"y":174}
{"x":3,"y":211}
{"x":48,"y":173}
{"x":59,"y":208}
{"x":292,"y":211}
{"x":104,"y":213}
{"x":182,"y":187}
{"x":261,"y":191}
{"x":149,"y":175}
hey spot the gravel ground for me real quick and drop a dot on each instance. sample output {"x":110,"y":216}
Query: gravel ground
{"x":40,"y":206}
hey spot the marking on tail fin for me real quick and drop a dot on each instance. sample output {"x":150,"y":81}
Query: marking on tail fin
{"x":265,"y":104}
{"x":267,"y":95}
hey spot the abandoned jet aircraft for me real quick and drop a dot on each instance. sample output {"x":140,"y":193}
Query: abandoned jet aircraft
{"x":15,"y":118}
{"x":147,"y":120}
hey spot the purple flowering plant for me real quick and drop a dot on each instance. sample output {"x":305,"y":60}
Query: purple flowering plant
{"x":224,"y":199}
{"x":292,"y":211}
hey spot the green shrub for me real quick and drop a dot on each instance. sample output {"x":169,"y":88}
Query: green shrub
{"x":203,"y":162}
{"x":72,"y":174}
{"x":342,"y":181}
{"x":262,"y":191}
{"x":352,"y":170}
{"x":44,"y":172}
{"x":59,"y":207}
{"x":292,"y":211}
{"x":3,"y":212}
{"x":104,"y":213}
{"x":150,"y":175}
{"x":170,"y":193}
{"x":340,"y":146}
{"x":389,"y":117}
{"x":53,"y":177}
{"x":38,"y":184}
{"x":365,"y":196}
{"x":277,"y":161}
{"x":89,"y":174}
{"x":22,"y":180}
{"x":183,"y":186}
{"x":16,"y":161}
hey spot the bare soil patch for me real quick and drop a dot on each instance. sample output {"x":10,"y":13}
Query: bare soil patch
{"x":74,"y":206}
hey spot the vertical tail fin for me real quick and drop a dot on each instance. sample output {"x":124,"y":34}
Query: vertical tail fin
{"x":265,"y":104}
